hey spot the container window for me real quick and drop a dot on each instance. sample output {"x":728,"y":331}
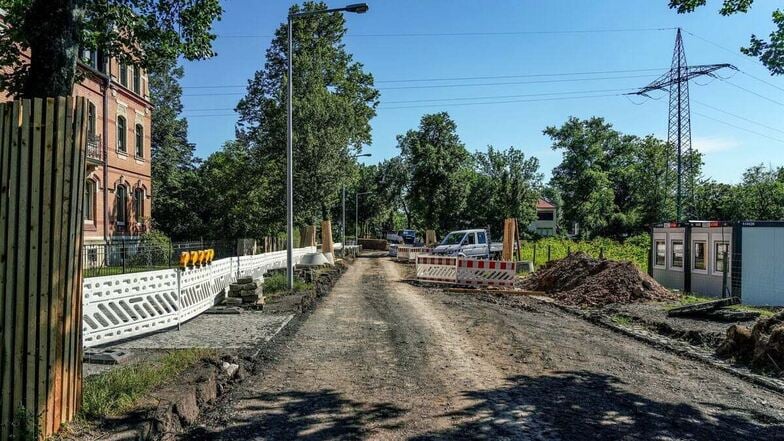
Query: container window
{"x":718,"y":256}
{"x":677,"y":254}
{"x":661,"y":253}
{"x":700,"y":262}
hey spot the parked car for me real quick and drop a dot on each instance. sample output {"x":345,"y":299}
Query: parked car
{"x":469,"y":243}
{"x":407,"y":237}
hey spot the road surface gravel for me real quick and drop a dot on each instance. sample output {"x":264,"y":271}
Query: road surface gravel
{"x":382,"y":359}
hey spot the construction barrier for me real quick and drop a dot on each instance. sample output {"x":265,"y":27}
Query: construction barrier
{"x":478,"y":272}
{"x":413,"y":252}
{"x":463,"y":271}
{"x":402,"y":253}
{"x":436,"y":269}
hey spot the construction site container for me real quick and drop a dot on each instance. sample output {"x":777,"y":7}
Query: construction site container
{"x":690,"y":257}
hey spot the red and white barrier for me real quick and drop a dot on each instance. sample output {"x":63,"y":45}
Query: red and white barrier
{"x":413,"y":252}
{"x":464,"y":271}
{"x":402,"y":253}
{"x":436,"y":269}
{"x":478,"y":272}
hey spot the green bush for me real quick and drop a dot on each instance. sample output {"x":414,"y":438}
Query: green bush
{"x":154,"y":249}
{"x":276,"y":282}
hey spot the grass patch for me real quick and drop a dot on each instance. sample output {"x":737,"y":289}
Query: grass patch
{"x":634,"y":249}
{"x":621,"y":319}
{"x":764,"y":312}
{"x":276,"y":283}
{"x":119,"y":390}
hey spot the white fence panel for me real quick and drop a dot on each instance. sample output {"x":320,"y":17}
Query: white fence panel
{"x":436,"y":269}
{"x":479,"y":272}
{"x":129,"y":305}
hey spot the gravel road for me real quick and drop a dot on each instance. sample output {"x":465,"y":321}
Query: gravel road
{"x":382,"y":359}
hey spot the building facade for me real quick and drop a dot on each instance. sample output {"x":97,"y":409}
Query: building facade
{"x":118,"y":187}
{"x":546,"y":219}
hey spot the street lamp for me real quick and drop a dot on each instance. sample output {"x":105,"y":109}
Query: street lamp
{"x":356,"y":214}
{"x":343,"y":222}
{"x":358,"y":8}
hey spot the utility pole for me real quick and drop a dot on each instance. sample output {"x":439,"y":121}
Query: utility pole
{"x":676,"y":82}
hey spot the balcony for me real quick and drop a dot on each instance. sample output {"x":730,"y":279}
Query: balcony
{"x":94,"y":149}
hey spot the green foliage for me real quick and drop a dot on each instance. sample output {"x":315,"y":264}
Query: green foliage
{"x":334,"y":101}
{"x":759,"y":196}
{"x":174,"y":178}
{"x":140,"y":32}
{"x":768,"y":52}
{"x":119,"y":390}
{"x":621,"y":319}
{"x":276,"y":283}
{"x":440,"y":171}
{"x":154,"y":249}
{"x":25,"y":426}
{"x":634,"y":249}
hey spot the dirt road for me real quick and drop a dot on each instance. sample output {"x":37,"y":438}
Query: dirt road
{"x":381,"y":359}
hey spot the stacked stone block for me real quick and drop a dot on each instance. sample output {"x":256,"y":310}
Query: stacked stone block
{"x":245,"y":292}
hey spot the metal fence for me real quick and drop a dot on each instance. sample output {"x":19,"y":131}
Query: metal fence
{"x":132,"y":256}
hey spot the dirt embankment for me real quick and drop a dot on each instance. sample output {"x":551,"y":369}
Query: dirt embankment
{"x":761,"y":346}
{"x":584,"y":281}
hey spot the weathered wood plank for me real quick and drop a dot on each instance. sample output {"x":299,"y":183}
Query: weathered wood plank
{"x":19,"y":212}
{"x":703,"y":307}
{"x":33,"y":276}
{"x":50,"y":178}
{"x":7,"y":271}
{"x":77,"y":282}
{"x":57,"y":277}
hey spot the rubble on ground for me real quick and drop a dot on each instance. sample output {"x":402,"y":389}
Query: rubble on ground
{"x":584,"y":281}
{"x":761,"y":346}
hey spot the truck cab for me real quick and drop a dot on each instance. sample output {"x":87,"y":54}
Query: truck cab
{"x":465,"y":243}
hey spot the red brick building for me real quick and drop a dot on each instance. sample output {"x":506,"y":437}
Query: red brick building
{"x":118,"y":190}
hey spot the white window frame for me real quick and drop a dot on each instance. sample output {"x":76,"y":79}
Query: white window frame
{"x":661,"y":237}
{"x":91,"y":206}
{"x":715,"y":260}
{"x":693,"y":256}
{"x":671,"y":258}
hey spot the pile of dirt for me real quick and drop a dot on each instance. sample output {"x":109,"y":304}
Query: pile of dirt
{"x":584,"y":281}
{"x":761,"y":346}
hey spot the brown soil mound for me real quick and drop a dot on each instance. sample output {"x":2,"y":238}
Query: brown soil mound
{"x":762,"y":346}
{"x":582,"y":280}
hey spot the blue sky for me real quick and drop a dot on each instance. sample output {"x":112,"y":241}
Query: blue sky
{"x":728,"y":145}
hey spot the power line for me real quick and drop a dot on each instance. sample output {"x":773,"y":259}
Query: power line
{"x":739,"y":127}
{"x":752,"y":92}
{"x":436,"y":100}
{"x":498,"y":102}
{"x":739,"y":117}
{"x":476,"y":34}
{"x":490,"y":77}
{"x":443,"y":86}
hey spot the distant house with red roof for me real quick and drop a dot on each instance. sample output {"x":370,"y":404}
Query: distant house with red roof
{"x":546,"y":218}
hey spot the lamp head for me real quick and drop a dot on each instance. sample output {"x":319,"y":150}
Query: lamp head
{"x":357,"y":8}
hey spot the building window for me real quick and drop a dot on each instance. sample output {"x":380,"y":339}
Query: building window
{"x":138,"y":201}
{"x":677,"y":254}
{"x":91,"y":119}
{"x":545,"y":215}
{"x":89,"y":200}
{"x":661,"y":253}
{"x":700,"y":261}
{"x":121,"y":211}
{"x":719,"y":249}
{"x":139,"y":141}
{"x":122,"y":145}
{"x":124,"y":74}
{"x":137,"y":80}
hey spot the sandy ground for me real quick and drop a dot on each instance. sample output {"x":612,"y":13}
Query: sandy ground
{"x":381,"y":359}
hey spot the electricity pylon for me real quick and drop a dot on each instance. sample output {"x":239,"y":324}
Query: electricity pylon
{"x":676,"y":82}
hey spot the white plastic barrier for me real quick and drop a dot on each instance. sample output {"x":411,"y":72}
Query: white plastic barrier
{"x":402,"y":253}
{"x":413,"y":252}
{"x":478,"y":272}
{"x":130,"y":305}
{"x":436,"y":269}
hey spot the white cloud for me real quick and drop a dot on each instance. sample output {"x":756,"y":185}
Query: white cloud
{"x":713,"y":144}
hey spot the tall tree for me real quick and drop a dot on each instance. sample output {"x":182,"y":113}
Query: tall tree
{"x":762,"y":193}
{"x":440,"y":171}
{"x":584,"y":184}
{"x":506,"y":185}
{"x":334,"y":101}
{"x":769,"y":52}
{"x":54,"y":32}
{"x":653,"y":180}
{"x":173,"y":163}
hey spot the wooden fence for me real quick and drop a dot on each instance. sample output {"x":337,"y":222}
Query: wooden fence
{"x":42,"y":167}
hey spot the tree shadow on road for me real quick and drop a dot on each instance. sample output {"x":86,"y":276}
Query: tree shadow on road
{"x":584,"y":405}
{"x":319,"y":415}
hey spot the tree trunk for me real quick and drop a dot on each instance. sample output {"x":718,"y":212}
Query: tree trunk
{"x":52,"y":28}
{"x":324,"y":212}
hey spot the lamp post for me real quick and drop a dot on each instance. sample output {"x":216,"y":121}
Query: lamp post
{"x":358,"y":8}
{"x":356,"y":214}
{"x":343,"y":221}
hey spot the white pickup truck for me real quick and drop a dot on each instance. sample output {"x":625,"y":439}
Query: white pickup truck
{"x":469,"y":243}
